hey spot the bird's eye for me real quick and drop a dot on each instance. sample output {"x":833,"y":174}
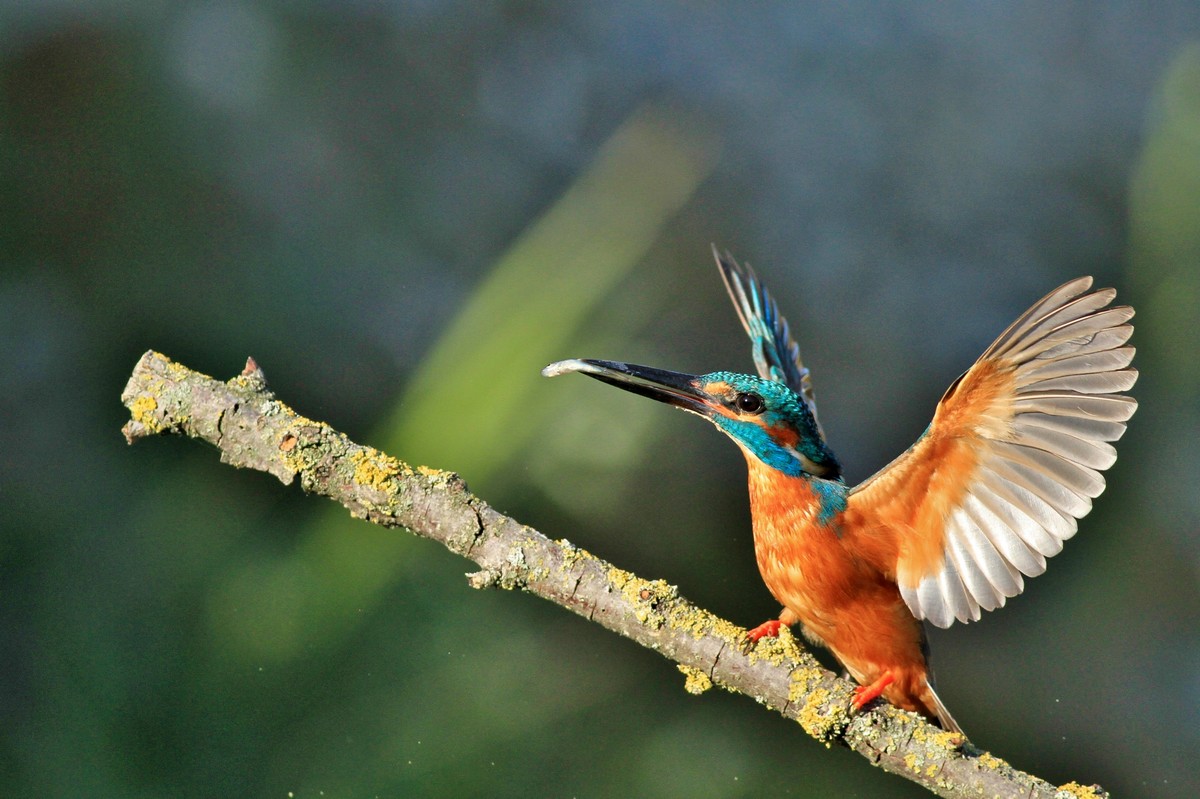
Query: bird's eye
{"x":748,"y":403}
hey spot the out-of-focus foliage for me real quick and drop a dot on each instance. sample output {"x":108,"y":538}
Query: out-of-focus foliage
{"x":402,"y":211}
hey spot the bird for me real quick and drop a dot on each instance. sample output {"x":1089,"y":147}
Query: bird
{"x":952,"y":526}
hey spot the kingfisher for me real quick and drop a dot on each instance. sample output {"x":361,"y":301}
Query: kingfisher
{"x":950,"y":528}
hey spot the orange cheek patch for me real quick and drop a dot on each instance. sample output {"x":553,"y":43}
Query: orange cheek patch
{"x":785,"y":436}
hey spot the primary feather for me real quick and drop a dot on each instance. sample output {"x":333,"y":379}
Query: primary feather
{"x":1027,"y":429}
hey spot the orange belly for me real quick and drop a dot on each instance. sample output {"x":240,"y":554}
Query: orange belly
{"x":843,"y":601}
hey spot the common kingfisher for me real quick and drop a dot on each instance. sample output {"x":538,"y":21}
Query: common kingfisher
{"x":995,"y":484}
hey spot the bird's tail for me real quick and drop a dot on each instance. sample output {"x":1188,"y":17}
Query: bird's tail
{"x":934,"y":703}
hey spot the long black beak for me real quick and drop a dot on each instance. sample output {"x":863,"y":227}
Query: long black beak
{"x":673,"y":388}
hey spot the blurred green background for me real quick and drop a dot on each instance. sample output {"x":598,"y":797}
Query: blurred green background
{"x":403,"y":211}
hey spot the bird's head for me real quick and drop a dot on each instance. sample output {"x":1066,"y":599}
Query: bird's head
{"x":765,"y":418}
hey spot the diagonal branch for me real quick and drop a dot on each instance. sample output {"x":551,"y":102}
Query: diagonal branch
{"x":252,"y":429}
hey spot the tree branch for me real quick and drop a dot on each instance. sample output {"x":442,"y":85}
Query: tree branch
{"x":254,"y":430}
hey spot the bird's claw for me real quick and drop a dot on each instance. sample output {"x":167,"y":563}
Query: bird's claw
{"x":768,"y":629}
{"x":865,"y":693}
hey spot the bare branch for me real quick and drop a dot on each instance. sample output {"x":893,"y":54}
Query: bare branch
{"x":254,"y":430}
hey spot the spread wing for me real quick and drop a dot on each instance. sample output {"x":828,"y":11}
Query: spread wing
{"x":776,"y":354}
{"x":1012,"y":459}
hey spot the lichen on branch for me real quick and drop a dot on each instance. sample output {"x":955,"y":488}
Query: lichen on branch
{"x":252,"y":429}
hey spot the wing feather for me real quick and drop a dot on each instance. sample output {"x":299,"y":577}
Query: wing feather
{"x":1001,"y":573}
{"x":1060,"y":403}
{"x":953,"y":596}
{"x":1050,"y":526}
{"x":982,"y":594}
{"x":1106,"y":383}
{"x":1079,"y":363}
{"x":1069,"y":333}
{"x":1061,"y":477}
{"x":1019,"y":329}
{"x":1013,"y":457}
{"x":1106,"y":339}
{"x":1004,"y":522}
{"x":1093,"y":454}
{"x":1089,"y":428}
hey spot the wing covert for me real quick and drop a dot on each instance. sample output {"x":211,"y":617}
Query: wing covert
{"x":1012,"y":459}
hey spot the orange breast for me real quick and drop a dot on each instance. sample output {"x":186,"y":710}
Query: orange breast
{"x":802,"y":561}
{"x":842,"y":599}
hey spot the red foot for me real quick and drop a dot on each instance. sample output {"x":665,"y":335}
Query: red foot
{"x":768,"y":629}
{"x":865,"y":693}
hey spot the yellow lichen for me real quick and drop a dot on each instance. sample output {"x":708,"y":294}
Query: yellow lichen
{"x":992,"y":762}
{"x":373,"y":469}
{"x":244,"y":382}
{"x":941,"y":738}
{"x":688,"y":618}
{"x":820,"y":721}
{"x":573,"y":554}
{"x":769,"y":650}
{"x":437,"y":474}
{"x":725,"y":629}
{"x":804,"y":678}
{"x":297,"y":457}
{"x":658,"y":603}
{"x":142,"y":411}
{"x":650,"y":598}
{"x":1073,"y":790}
{"x":777,"y":649}
{"x":177,"y":370}
{"x":696,"y":682}
{"x":618,"y":578}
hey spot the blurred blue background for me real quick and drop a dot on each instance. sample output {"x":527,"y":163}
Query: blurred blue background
{"x":403,"y":211}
